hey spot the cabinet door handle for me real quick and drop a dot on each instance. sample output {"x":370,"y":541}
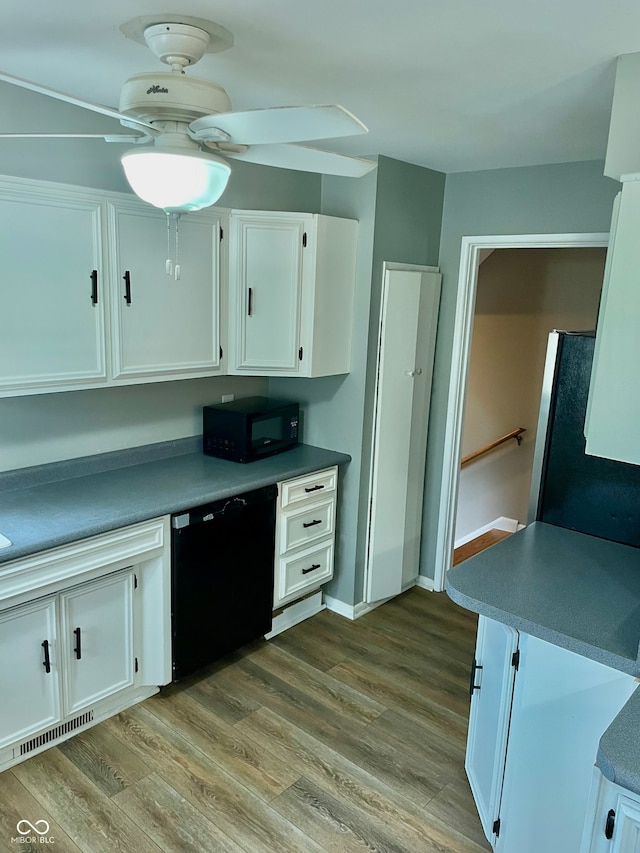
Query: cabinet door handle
{"x":472,"y":681}
{"x":314,"y":488}
{"x":312,"y":568}
{"x":94,"y":287}
{"x":46,"y":663}
{"x":249,"y":301}
{"x":78,"y":648}
{"x":127,"y":287}
{"x":610,"y":824}
{"x":312,"y":523}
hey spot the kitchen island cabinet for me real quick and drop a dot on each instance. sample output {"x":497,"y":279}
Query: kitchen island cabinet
{"x":572,"y":599}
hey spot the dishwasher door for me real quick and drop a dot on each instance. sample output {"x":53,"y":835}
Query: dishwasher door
{"x":222,"y":577}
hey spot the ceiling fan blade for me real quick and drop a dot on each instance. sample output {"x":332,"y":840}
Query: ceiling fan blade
{"x":76,"y":102}
{"x":107,"y":137}
{"x":304,"y":159}
{"x":278,"y":124}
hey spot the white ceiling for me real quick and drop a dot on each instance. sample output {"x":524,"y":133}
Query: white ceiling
{"x":453,"y":85}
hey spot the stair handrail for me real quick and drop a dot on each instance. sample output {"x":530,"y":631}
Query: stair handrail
{"x":515,"y":434}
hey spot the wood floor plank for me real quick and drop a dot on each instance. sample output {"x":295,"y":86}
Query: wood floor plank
{"x":170,"y":820}
{"x":16,"y":804}
{"x":326,"y":819}
{"x":348,"y":782}
{"x":480,"y":543}
{"x":454,"y":806}
{"x":241,"y":815}
{"x":85,"y":814}
{"x":383,"y":687}
{"x":298,"y":642}
{"x":222,"y":700}
{"x":104,"y":760}
{"x":257,"y":769}
{"x":337,"y":696}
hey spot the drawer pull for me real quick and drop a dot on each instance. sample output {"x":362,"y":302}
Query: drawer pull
{"x":78,"y":647}
{"x":312,"y":523}
{"x":313,"y":488}
{"x":311,"y":569}
{"x":46,"y":663}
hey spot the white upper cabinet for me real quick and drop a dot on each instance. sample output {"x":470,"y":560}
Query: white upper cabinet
{"x":292,"y":281}
{"x":163,"y":326}
{"x":53,"y":290}
{"x":611,"y":427}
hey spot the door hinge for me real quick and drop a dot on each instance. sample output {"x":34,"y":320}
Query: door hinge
{"x":496,"y":827}
{"x":221,"y":352}
{"x":221,"y":234}
{"x":300,"y":353}
{"x":135,"y":581}
{"x":515,"y":659}
{"x":304,"y":240}
{"x":136,"y":664}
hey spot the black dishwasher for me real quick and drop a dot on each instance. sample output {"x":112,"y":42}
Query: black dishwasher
{"x":221,"y":577}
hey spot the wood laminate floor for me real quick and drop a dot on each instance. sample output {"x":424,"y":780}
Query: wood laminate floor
{"x":336,"y":736}
{"x":480,"y":543}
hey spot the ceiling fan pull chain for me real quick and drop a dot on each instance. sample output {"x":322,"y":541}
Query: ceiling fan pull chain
{"x":169,"y":262}
{"x":177,"y":264}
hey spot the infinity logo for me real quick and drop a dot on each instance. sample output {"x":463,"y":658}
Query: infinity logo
{"x":40,"y":827}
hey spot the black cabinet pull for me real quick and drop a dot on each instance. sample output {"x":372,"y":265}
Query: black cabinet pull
{"x":312,"y":523}
{"x":610,"y":824}
{"x":78,"y":648}
{"x":250,"y":301}
{"x":314,"y":488}
{"x":46,"y":663}
{"x":311,"y":569}
{"x":472,"y":681}
{"x":94,"y":287}
{"x":127,"y":287}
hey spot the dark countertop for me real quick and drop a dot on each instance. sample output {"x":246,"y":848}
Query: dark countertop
{"x":575,"y":591}
{"x":619,"y":751}
{"x":56,"y":504}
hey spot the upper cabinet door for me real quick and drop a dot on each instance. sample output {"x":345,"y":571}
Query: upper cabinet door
{"x":53,"y":290}
{"x":163,"y":326}
{"x":611,"y":427}
{"x":265,"y":292}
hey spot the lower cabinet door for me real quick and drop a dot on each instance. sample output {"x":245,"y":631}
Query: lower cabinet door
{"x":97,"y":633}
{"x":613,"y":819}
{"x":491,"y":694}
{"x":29,"y":671}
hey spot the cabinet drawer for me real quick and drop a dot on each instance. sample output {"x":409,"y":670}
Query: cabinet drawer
{"x":306,"y":525}
{"x":306,"y":570}
{"x":310,"y":486}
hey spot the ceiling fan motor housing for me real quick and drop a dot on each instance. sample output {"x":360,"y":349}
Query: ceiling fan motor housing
{"x":167,"y":96}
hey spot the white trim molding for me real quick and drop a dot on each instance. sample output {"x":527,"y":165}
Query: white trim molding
{"x":509,"y":525}
{"x":463,"y":326}
{"x":423,"y":582}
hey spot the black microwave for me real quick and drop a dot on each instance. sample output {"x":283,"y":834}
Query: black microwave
{"x":249,"y":429}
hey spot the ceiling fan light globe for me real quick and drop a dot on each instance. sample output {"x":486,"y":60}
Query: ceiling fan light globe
{"x":176,"y":181}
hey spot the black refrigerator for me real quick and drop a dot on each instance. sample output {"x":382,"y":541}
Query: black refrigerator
{"x":597,"y":496}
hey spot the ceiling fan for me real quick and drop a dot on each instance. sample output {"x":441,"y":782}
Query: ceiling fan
{"x":183,"y":128}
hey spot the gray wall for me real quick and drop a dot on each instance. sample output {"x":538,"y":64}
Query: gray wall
{"x":48,"y":427}
{"x":561,"y":198}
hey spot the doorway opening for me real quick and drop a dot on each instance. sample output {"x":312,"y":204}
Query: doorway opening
{"x":473,"y":421}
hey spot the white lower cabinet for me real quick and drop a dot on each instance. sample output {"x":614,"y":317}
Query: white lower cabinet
{"x":531,"y":777}
{"x":613,"y":819}
{"x":29,"y":670}
{"x":97,"y":640}
{"x":305,"y":535}
{"x":84,"y":633}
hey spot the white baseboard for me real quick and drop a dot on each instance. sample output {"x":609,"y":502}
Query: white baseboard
{"x":295,"y":613}
{"x":351,"y":611}
{"x":510,"y":525}
{"x":424,"y":582}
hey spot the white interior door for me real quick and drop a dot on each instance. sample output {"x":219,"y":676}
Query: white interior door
{"x":408,"y":321}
